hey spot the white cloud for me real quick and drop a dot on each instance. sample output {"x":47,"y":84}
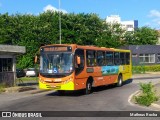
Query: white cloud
{"x":52,"y":8}
{"x":154,"y":13}
{"x":155,"y":18}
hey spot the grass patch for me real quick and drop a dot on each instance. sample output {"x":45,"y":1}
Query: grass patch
{"x":2,"y":87}
{"x":147,"y":96}
{"x":27,"y":79}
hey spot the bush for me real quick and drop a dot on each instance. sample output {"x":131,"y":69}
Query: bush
{"x":145,"y":68}
{"x":148,"y":95}
{"x":138,"y":69}
{"x":152,"y":68}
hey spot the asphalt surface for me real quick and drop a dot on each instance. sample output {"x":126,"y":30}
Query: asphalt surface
{"x":108,"y":98}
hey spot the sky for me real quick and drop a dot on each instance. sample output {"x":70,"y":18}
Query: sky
{"x":147,"y":12}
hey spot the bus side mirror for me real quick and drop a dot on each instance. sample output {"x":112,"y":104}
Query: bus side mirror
{"x":35,"y":59}
{"x":78,"y":60}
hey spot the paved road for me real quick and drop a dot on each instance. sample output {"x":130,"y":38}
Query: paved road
{"x":102,"y":99}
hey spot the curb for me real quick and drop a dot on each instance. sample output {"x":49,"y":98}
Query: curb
{"x":131,"y":96}
{"x":18,"y":89}
{"x":155,"y":105}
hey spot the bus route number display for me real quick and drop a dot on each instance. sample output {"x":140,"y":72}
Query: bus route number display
{"x":50,"y":49}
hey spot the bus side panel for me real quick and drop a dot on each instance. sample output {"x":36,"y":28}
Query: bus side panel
{"x":126,"y":72}
{"x":98,"y":81}
{"x":80,"y":80}
{"x":114,"y":79}
{"x":80,"y":83}
{"x":106,"y":75}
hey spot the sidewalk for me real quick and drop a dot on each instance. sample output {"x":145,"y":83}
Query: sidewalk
{"x":13,"y":95}
{"x":156,"y":105}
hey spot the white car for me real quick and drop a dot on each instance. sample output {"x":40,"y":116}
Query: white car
{"x":31,"y":72}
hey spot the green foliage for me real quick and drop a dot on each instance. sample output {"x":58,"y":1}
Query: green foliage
{"x":111,"y":36}
{"x":148,"y":95}
{"x":138,"y":69}
{"x":145,"y":68}
{"x":152,"y":68}
{"x":142,"y":36}
{"x":2,"y":87}
{"x":84,"y":29}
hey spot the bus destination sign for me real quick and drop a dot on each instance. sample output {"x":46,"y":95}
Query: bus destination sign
{"x":55,"y":48}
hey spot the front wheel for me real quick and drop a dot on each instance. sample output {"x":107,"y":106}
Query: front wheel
{"x":88,"y":87}
{"x":120,"y":81}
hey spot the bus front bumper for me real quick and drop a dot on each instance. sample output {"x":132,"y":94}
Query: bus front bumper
{"x":67,"y":86}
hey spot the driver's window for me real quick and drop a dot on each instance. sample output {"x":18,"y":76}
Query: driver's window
{"x":80,"y":67}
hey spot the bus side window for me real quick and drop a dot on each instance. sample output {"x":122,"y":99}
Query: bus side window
{"x":122,"y":58}
{"x":109,"y":58}
{"x":91,"y":61}
{"x":117,"y":58}
{"x":127,"y":58}
{"x":100,"y":58}
{"x":80,"y":67}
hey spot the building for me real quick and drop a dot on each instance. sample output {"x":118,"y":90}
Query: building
{"x":8,"y":63}
{"x":144,"y":54}
{"x":126,"y":25}
{"x":113,"y":19}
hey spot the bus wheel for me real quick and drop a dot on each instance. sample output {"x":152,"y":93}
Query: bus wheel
{"x":61,"y":92}
{"x":88,"y":87}
{"x":119,"y":83}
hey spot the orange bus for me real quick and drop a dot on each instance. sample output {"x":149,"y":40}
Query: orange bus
{"x":66,"y":67}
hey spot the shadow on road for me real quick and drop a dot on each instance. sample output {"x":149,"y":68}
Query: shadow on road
{"x":94,"y":90}
{"x":127,"y":81}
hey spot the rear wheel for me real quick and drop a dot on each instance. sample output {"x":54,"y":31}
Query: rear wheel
{"x":88,"y":87}
{"x":120,"y":81}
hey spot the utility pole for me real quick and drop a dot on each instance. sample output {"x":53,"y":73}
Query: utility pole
{"x":60,"y":22}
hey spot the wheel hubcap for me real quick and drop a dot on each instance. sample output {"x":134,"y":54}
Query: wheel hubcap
{"x":120,"y":81}
{"x":89,"y":86}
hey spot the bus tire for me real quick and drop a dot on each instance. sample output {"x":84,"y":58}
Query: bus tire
{"x":61,"y":92}
{"x":88,"y":87}
{"x":120,"y":81}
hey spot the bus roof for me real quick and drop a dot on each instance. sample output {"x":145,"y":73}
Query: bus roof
{"x":89,"y":47}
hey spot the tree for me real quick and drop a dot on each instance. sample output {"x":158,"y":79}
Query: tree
{"x":142,"y":36}
{"x":112,"y":36}
{"x":85,"y":29}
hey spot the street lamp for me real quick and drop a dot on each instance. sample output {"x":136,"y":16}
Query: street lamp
{"x":59,"y":22}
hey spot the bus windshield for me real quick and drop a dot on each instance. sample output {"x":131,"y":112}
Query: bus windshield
{"x":55,"y":63}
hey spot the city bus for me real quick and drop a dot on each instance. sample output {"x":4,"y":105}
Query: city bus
{"x":69,"y":67}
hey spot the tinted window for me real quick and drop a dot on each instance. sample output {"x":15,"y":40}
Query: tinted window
{"x":122,"y":58}
{"x":80,"y":53}
{"x":100,"y":58}
{"x":109,"y":58}
{"x":91,"y":59}
{"x":127,"y":58}
{"x":117,"y":58}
